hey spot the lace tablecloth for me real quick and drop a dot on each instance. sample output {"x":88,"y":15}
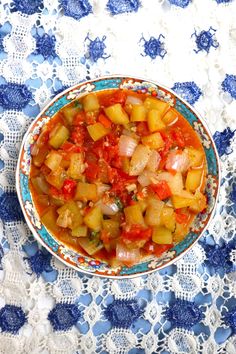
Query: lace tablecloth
{"x":49,"y":45}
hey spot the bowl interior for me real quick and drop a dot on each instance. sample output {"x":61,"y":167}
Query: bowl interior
{"x":87,"y":264}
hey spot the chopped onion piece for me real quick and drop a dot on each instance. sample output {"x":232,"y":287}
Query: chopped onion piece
{"x":133,"y":100}
{"x":34,"y":150}
{"x":139,"y":160}
{"x":127,"y":256}
{"x":108,"y":208}
{"x":153,"y":161}
{"x":102,"y":188}
{"x":127,"y":145}
{"x":146,"y":178}
{"x":177,"y":161}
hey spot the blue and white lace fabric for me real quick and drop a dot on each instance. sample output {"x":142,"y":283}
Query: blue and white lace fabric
{"x":48,"y":45}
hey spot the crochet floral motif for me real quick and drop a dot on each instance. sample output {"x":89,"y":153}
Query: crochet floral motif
{"x":230,"y":319}
{"x":223,"y":1}
{"x":96,"y":48}
{"x":12,"y":318}
{"x":205,"y":40}
{"x":45,"y":45}
{"x":121,"y":6}
{"x":154,"y":47}
{"x":10,"y":208}
{"x":223,"y":141}
{"x":40,"y":262}
{"x":76,"y":8}
{"x":229,"y":85}
{"x":14,"y":96}
{"x":122,"y":313}
{"x":180,"y":3}
{"x":28,"y":7}
{"x":189,"y":91}
{"x":183,"y":314}
{"x":63,"y":316}
{"x":218,"y":257}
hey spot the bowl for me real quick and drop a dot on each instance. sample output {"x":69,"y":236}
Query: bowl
{"x":90,"y":265}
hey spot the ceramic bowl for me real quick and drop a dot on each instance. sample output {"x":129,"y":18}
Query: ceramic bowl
{"x":87,"y":264}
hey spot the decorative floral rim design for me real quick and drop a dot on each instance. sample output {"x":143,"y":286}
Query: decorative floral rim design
{"x":87,"y":264}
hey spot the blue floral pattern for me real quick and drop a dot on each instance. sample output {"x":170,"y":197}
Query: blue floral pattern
{"x":28,"y":7}
{"x":12,"y":318}
{"x":184,"y":314}
{"x":45,"y":45}
{"x":223,"y":141}
{"x":96,"y":48}
{"x":76,"y":8}
{"x":189,"y":91}
{"x":180,"y":3}
{"x":63,"y":316}
{"x":205,"y":40}
{"x":40,"y":262}
{"x":121,"y":6}
{"x":154,"y":47}
{"x":14,"y":96}
{"x":229,"y":85}
{"x":123,"y":313}
{"x":10,"y":208}
{"x":230,"y":319}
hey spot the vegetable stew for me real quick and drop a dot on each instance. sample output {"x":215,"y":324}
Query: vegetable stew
{"x":118,"y":175}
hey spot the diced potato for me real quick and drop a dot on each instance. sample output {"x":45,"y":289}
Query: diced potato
{"x":91,"y":103}
{"x":176,"y":183}
{"x":39,"y":159}
{"x":97,"y":131}
{"x":49,"y":219}
{"x":74,"y":218}
{"x":168,"y":218}
{"x":111,"y":226}
{"x":161,"y":235}
{"x":195,"y":156}
{"x":180,"y":232}
{"x":200,"y":202}
{"x":154,"y":121}
{"x":125,"y":164}
{"x":143,"y":204}
{"x":185,"y":199}
{"x":58,"y":136}
{"x":154,"y":103}
{"x":133,"y":215}
{"x":90,"y":246}
{"x":53,"y":160}
{"x":139,"y":160}
{"x":69,"y":113}
{"x":154,"y":141}
{"x":193,"y":180}
{"x":138,"y":113}
{"x":76,"y":167}
{"x":170,"y":117}
{"x":86,"y":191}
{"x":117,"y":114}
{"x":93,"y":219}
{"x":80,"y":231}
{"x":153,"y":212}
{"x":56,"y":178}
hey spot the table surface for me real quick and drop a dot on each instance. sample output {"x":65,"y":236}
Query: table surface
{"x":49,"y":45}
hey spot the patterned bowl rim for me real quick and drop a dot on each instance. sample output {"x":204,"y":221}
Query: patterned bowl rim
{"x":127,"y":77}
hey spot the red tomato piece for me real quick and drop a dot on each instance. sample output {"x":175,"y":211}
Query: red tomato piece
{"x":91,"y":172}
{"x":162,"y":190}
{"x":79,"y":118}
{"x":68,"y":188}
{"x":137,"y":233}
{"x":104,"y":121}
{"x":142,"y":129}
{"x":118,"y":96}
{"x":78,"y":135}
{"x":69,"y":147}
{"x":180,"y":217}
{"x":178,"y":138}
{"x":159,"y":249}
